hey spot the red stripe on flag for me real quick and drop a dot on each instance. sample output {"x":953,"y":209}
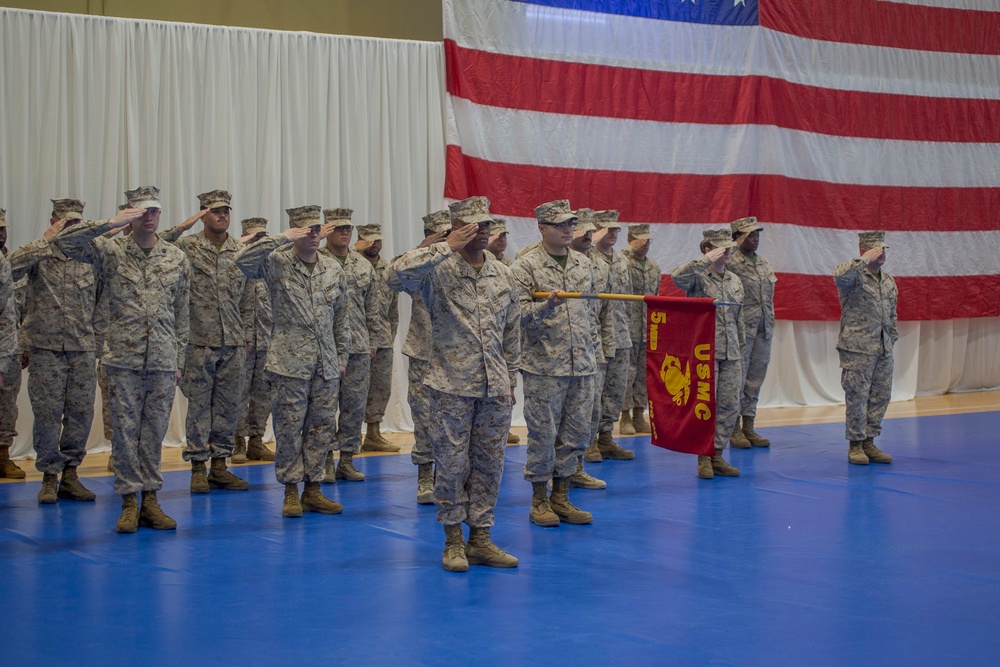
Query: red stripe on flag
{"x":889,"y":24}
{"x":552,"y":86}
{"x":516,"y":189}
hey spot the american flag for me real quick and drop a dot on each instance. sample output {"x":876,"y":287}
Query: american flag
{"x":820,"y":118}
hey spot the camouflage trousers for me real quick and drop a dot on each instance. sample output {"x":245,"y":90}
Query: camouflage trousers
{"x":597,"y":410}
{"x":756,"y":354}
{"x":102,"y":382}
{"x":140,"y":414}
{"x":468,"y":443}
{"x":11,"y":369}
{"x":635,"y":383}
{"x":558,"y":411}
{"x":352,"y":401}
{"x":381,"y":385}
{"x":612,"y":396}
{"x":213,"y":385}
{"x":61,"y":386}
{"x":867,"y":383}
{"x":255,"y":403}
{"x":418,"y":399}
{"x":304,"y":425}
{"x":728,"y":383}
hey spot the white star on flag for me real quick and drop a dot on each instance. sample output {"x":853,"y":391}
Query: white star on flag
{"x":737,"y":3}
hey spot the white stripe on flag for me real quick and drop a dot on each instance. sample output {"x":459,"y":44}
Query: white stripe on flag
{"x":975,"y":5}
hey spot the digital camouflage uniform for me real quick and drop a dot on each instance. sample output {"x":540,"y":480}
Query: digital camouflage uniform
{"x":470,"y":374}
{"x":644,"y":276}
{"x":310,"y":341}
{"x":255,"y":403}
{"x":388,"y":324}
{"x":146,"y":344}
{"x":10,"y":352}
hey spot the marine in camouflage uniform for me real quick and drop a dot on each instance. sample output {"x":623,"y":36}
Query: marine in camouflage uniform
{"x":369,"y":246}
{"x":417,"y":348}
{"x":758,"y":280}
{"x":10,"y":359}
{"x":147,"y":281}
{"x":560,"y":343}
{"x":255,"y":402}
{"x":645,"y":278}
{"x":62,"y":376}
{"x":470,"y":376}
{"x":868,"y":332}
{"x":307,"y":355}
{"x":707,"y":277}
{"x":498,"y":246}
{"x":362,"y":309}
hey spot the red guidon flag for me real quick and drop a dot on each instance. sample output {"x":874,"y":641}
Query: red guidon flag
{"x":680,"y":373}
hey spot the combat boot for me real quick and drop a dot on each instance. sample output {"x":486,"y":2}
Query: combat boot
{"x":291,"y":508}
{"x":111,"y":463}
{"x":257,"y":451}
{"x":8,"y":468}
{"x":564,"y":509}
{"x":453,"y":558}
{"x":611,"y":450}
{"x":480,"y":550}
{"x":329,"y":472}
{"x":581,"y":480}
{"x":593,"y":453}
{"x":755,"y":438}
{"x":425,"y":484}
{"x":220,"y":478}
{"x":541,"y":513}
{"x":874,"y":454}
{"x":513,"y":438}
{"x":128,"y":522}
{"x":705,"y":467}
{"x":239,"y":449}
{"x":199,"y":479}
{"x":346,"y":470}
{"x":152,"y":515}
{"x":314,"y":501}
{"x":639,"y":422}
{"x":48,"y":494}
{"x":722,"y":468}
{"x":374,"y":442}
{"x":625,"y":425}
{"x":855,"y":453}
{"x":737,"y":439}
{"x":70,"y":487}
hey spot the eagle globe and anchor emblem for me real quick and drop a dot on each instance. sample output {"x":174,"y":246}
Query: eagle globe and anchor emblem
{"x":676,"y":381}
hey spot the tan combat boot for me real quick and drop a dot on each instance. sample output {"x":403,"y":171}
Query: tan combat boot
{"x":453,"y":558}
{"x":70,"y":487}
{"x":199,"y":480}
{"x":480,"y":550}
{"x":611,"y":450}
{"x":625,"y":425}
{"x":639,"y":422}
{"x":314,"y":501}
{"x":128,"y":522}
{"x":722,"y":468}
{"x":855,"y":453}
{"x":593,"y":453}
{"x":346,"y":470}
{"x":564,"y":509}
{"x":152,"y":515}
{"x":874,"y":454}
{"x":48,"y":493}
{"x":425,"y":484}
{"x":513,"y":439}
{"x":737,"y":439}
{"x":581,"y":480}
{"x":329,"y":471}
{"x":755,"y":438}
{"x":541,"y":513}
{"x":705,"y":468}
{"x":8,"y":468}
{"x":219,"y":477}
{"x":239,"y":449}
{"x":257,"y":451}
{"x":374,"y":442}
{"x":291,"y":508}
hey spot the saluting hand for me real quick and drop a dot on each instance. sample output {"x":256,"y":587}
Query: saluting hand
{"x":714,"y":254}
{"x":872,"y":255}
{"x":362,"y":245}
{"x":189,"y":223}
{"x":53,"y":231}
{"x":461,"y":236}
{"x":436,"y":237}
{"x":295,"y":233}
{"x":125,"y":217}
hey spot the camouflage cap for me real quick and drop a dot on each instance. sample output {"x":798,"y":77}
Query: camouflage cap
{"x":554,"y":212}
{"x":474,"y":210}
{"x":607,"y":219}
{"x":215,"y":199}
{"x":584,"y":220}
{"x":639,"y":232}
{"x":3,"y":217}
{"x":68,"y":209}
{"x":144,"y":196}
{"x":719,"y":238}
{"x":372,"y":232}
{"x":438,"y":221}
{"x":744,"y":225}
{"x":253,"y":225}
{"x":498,"y":227}
{"x":872,"y":239}
{"x":342,"y":215}
{"x":304,"y":216}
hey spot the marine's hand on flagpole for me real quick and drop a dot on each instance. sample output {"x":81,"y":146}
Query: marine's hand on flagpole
{"x":554,"y":299}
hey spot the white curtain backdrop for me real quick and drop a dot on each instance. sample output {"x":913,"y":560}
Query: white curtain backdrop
{"x":92,"y":106}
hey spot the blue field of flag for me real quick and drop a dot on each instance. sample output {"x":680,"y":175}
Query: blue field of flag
{"x":715,"y":12}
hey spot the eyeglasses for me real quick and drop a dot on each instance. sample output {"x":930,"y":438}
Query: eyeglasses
{"x":569,"y":224}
